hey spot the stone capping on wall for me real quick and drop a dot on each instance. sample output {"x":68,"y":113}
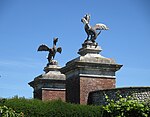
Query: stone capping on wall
{"x":138,"y":93}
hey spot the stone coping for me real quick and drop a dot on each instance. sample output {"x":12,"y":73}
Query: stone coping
{"x":123,"y":88}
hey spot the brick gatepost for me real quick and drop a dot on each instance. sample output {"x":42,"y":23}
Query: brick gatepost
{"x":50,"y":85}
{"x":88,"y":72}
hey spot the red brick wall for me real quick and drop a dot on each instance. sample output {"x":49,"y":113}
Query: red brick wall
{"x":78,"y":88}
{"x":53,"y":94}
{"x":91,"y":84}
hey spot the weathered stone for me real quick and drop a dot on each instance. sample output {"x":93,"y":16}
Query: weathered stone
{"x":50,"y":85}
{"x":89,"y":48}
{"x":88,"y":72}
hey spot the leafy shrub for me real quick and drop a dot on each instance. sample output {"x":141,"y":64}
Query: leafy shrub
{"x":126,"y":107}
{"x":8,"y":112}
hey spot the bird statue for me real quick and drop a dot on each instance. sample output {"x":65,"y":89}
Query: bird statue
{"x":92,"y":31}
{"x":52,"y":51}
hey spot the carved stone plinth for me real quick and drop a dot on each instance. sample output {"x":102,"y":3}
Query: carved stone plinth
{"x":89,"y":72}
{"x":50,"y":85}
{"x":90,"y":48}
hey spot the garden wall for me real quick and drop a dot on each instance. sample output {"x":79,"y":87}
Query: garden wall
{"x":139,"y":93}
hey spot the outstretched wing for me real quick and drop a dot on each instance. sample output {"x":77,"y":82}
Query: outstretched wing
{"x":100,"y":27}
{"x":59,"y":49}
{"x":43,"y":48}
{"x":55,"y":40}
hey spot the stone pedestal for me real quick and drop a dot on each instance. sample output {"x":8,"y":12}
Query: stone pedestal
{"x":51,"y":84}
{"x":89,"y":72}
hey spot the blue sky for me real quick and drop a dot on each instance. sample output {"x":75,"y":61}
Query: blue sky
{"x":25,"y":24}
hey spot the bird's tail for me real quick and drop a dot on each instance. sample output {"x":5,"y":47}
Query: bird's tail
{"x":100,"y":27}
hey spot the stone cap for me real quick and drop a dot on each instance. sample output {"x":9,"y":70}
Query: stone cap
{"x":55,"y":75}
{"x":80,"y":64}
{"x":48,"y":78}
{"x":78,"y":68}
{"x":52,"y":74}
{"x":92,"y":58}
{"x":47,"y":83}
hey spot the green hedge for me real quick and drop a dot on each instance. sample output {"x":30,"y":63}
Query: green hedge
{"x":57,"y":108}
{"x":124,"y":107}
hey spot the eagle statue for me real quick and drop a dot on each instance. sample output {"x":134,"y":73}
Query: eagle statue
{"x":92,"y":32}
{"x":52,"y":51}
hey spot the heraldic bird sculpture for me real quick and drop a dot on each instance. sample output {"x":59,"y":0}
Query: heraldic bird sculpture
{"x":92,"y":31}
{"x":52,"y":51}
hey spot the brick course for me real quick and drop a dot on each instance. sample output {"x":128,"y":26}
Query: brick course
{"x":92,"y":84}
{"x":53,"y":94}
{"x":78,"y":88}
